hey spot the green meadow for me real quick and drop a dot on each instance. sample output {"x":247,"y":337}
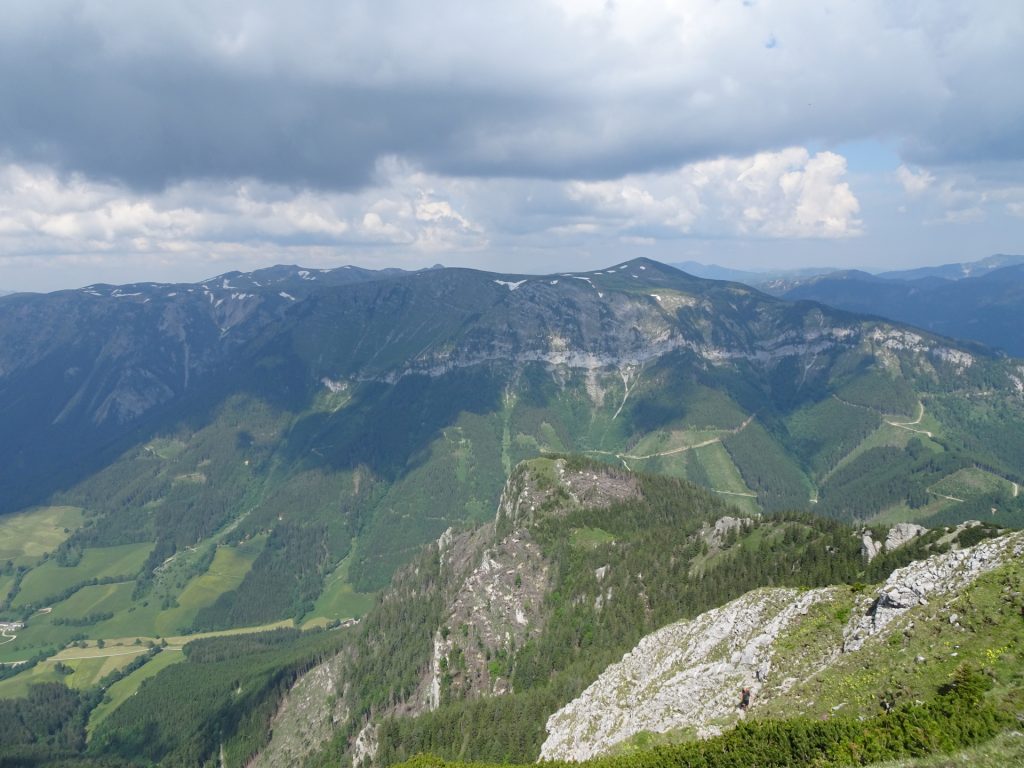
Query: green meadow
{"x":339,"y":599}
{"x":50,"y":578}
{"x":229,"y":567}
{"x":970,"y":481}
{"x":590,"y":538}
{"x":28,"y":535}
{"x":85,"y":613}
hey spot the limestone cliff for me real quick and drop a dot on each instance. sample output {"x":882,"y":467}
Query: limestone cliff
{"x":688,"y":676}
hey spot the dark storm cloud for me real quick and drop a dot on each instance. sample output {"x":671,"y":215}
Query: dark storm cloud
{"x":164,"y":119}
{"x":314,"y":94}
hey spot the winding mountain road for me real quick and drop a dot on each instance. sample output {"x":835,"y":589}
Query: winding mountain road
{"x":683,"y":449}
{"x":686,"y":448}
{"x":909,"y":425}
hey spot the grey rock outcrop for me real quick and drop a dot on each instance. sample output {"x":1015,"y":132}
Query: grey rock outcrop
{"x":901,"y":533}
{"x":924,"y":580}
{"x":688,"y":675}
{"x":305,"y":720}
{"x":724,"y":526}
{"x":527,"y":493}
{"x":869,"y":548}
{"x":685,"y":675}
{"x":498,"y":606}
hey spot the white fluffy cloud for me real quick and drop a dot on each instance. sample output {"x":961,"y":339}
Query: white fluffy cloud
{"x":55,"y":219}
{"x":959,"y":195}
{"x":65,"y":230}
{"x":787,"y":194}
{"x":914,"y":182}
{"x":44,"y":213}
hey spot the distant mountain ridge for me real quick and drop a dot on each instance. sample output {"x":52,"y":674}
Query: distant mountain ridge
{"x":985,"y":308}
{"x":957,"y":270}
{"x":749,"y":277}
{"x":778,"y":281}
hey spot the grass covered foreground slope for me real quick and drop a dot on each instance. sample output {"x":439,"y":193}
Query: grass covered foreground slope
{"x":272,"y":447}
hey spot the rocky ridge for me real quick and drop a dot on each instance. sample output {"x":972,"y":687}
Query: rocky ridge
{"x":898,"y":535}
{"x":688,"y":676}
{"x":685,"y":675}
{"x":498,"y":606}
{"x":925,"y":580}
{"x":494,"y":580}
{"x":306,"y":718}
{"x":528,"y":493}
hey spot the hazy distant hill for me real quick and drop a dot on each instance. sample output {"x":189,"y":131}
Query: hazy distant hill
{"x":778,"y":281}
{"x":748,"y":277}
{"x":987,"y":308}
{"x":957,"y":270}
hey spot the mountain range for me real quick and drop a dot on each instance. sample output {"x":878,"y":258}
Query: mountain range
{"x":985,"y":308}
{"x":293,"y":449}
{"x":980,"y":300}
{"x":957,"y":270}
{"x":777,"y":281}
{"x":357,"y":414}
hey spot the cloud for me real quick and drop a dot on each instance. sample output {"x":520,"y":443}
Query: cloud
{"x":48,"y":215}
{"x":316,"y":94}
{"x":787,"y":194}
{"x":963,"y":195}
{"x":406,"y":214}
{"x":914,"y":182}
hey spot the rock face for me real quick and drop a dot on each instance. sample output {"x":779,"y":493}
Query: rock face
{"x":901,"y":533}
{"x":305,"y":719}
{"x":686,"y":675}
{"x":898,"y":535}
{"x":494,"y":580}
{"x":919,"y":582}
{"x":723,"y":527}
{"x":689,"y":675}
{"x":498,"y":606}
{"x":528,"y":492}
{"x":869,"y":548}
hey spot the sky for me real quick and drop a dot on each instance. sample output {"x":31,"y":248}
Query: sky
{"x":175,"y":141}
